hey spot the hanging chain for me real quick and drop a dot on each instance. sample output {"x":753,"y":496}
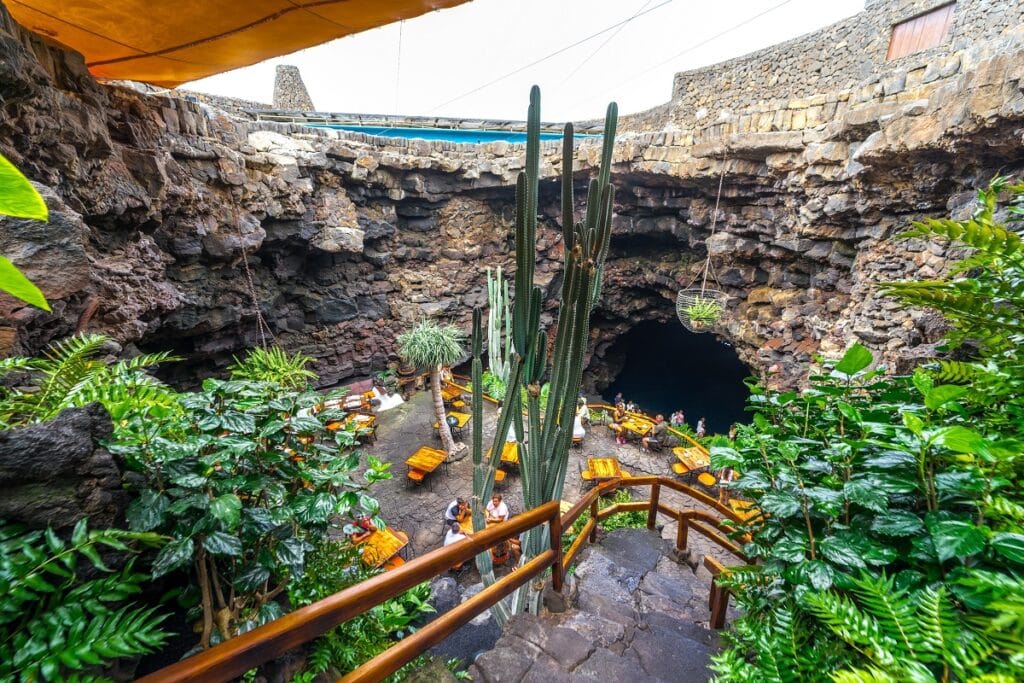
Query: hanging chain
{"x":261,"y":324}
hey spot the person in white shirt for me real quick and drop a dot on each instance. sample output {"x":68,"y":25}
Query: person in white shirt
{"x":455,"y":535}
{"x":497,"y":511}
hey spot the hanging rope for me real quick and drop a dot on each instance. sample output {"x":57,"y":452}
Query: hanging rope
{"x":714,"y":224}
{"x":398,"y":64}
{"x":261,"y":323}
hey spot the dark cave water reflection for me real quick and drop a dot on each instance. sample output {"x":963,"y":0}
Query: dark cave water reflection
{"x":668,"y":368}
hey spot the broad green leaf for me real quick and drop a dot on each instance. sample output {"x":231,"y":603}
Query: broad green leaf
{"x":238,"y":423}
{"x":840,"y":553}
{"x":820,"y":574}
{"x":227,"y":509}
{"x":943,"y":394}
{"x":856,"y":358}
{"x":147,"y":511}
{"x":897,"y":523}
{"x":220,"y":543}
{"x":956,"y":538}
{"x":913,"y":423}
{"x":780,"y":504}
{"x":959,"y":439}
{"x":1010,"y":545}
{"x":17,"y":196}
{"x":17,"y":285}
{"x":251,"y":578}
{"x":866,"y":493}
{"x":174,"y":555}
{"x":850,"y":412}
{"x":292,"y":553}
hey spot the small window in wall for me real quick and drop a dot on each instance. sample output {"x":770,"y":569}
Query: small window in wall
{"x":921,"y":32}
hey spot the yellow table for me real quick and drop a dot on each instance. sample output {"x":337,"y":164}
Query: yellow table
{"x":426,"y":459}
{"x":637,"y":425}
{"x":380,"y":546}
{"x":448,"y":392}
{"x":510,"y":453}
{"x":462,"y":418}
{"x":604,"y":468}
{"x":692,"y":458}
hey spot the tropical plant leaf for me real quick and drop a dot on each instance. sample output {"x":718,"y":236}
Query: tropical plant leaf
{"x":17,"y":196}
{"x":17,"y":285}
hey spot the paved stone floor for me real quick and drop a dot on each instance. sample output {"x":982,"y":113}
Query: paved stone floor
{"x":418,"y":510}
{"x":634,"y":620}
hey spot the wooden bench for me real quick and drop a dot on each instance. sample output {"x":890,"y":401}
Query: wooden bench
{"x":417,"y":477}
{"x":577,"y":442}
{"x":679,"y":468}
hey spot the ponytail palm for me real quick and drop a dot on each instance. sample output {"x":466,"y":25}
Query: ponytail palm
{"x":429,"y":345}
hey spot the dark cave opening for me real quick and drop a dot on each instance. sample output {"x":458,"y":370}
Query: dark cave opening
{"x":665,"y":368}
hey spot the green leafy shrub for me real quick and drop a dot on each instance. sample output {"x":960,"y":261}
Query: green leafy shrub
{"x":636,"y":519}
{"x":244,"y":480}
{"x":332,"y":567}
{"x":893,"y":547}
{"x":58,"y":621}
{"x":494,"y":386}
{"x":70,"y":374}
{"x":276,"y":366}
{"x":703,"y":312}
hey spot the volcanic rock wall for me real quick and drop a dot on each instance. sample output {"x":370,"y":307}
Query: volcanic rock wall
{"x":172,"y":223}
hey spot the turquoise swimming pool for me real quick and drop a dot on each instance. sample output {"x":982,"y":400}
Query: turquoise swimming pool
{"x":464,"y":136}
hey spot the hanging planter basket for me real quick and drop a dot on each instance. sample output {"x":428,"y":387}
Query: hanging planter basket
{"x":699,"y":310}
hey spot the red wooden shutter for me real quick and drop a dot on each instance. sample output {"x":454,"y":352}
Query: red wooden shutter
{"x":921,"y":33}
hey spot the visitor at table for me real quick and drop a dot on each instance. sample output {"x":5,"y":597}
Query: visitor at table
{"x":631,"y":407}
{"x":496,"y":510}
{"x":619,"y":399}
{"x":678,"y":419}
{"x":616,"y":425}
{"x":732,"y":432}
{"x":454,"y":535}
{"x":701,"y":429}
{"x":657,"y":434}
{"x":578,"y":432}
{"x":446,"y":375}
{"x":457,"y":511}
{"x":583,"y":411}
{"x":506,"y":552}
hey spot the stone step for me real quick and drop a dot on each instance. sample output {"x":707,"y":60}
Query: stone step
{"x":637,"y":618}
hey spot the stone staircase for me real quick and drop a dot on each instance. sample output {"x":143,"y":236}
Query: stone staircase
{"x":639,"y":616}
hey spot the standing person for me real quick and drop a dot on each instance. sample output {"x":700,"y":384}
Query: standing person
{"x":732,"y":432}
{"x":619,"y":399}
{"x":678,"y":419}
{"x":583,"y":411}
{"x":496,"y":510}
{"x":701,"y":429}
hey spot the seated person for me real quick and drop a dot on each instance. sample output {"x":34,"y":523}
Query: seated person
{"x":496,"y":510}
{"x":454,"y":535}
{"x":658,"y":433}
{"x":616,"y":424}
{"x":364,"y":528}
{"x":582,"y":411}
{"x":578,"y":432}
{"x":457,"y":511}
{"x":506,"y":552}
{"x":631,"y":407}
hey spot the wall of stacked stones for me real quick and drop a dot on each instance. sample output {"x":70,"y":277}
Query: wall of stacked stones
{"x":820,"y":74}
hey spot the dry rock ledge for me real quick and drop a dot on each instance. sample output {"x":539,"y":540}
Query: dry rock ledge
{"x":158,"y":203}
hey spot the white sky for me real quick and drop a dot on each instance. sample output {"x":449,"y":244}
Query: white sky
{"x":448,"y":53}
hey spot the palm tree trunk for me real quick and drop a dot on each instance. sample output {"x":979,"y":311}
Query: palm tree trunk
{"x":442,"y":424}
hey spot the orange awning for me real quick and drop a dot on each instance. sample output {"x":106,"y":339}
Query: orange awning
{"x":169,"y":42}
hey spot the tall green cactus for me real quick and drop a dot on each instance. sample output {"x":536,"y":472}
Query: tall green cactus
{"x":499,"y":325}
{"x":544,"y":444}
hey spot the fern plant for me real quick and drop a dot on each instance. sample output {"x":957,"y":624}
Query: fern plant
{"x":275,"y":365}
{"x":55,"y":624}
{"x":70,"y":373}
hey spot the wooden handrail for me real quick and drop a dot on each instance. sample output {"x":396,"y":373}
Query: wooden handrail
{"x":234,"y":657}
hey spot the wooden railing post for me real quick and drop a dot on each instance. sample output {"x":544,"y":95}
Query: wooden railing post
{"x":555,"y":529}
{"x":593,"y":516}
{"x":652,"y":513}
{"x":681,"y":531}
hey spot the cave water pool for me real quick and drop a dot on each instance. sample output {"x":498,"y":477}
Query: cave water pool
{"x":463,"y":136}
{"x":669,"y":368}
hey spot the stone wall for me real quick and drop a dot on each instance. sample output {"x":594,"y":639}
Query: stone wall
{"x":168,"y":209}
{"x":290,"y":92}
{"x":843,"y":56}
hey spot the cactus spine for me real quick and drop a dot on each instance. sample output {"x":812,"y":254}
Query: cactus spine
{"x":544,"y":452}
